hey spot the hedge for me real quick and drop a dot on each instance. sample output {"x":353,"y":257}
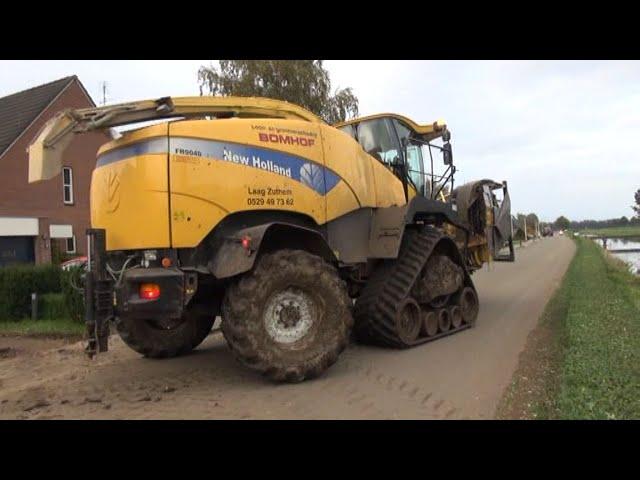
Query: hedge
{"x":73,"y":298}
{"x":17,"y":283}
{"x":52,"y":306}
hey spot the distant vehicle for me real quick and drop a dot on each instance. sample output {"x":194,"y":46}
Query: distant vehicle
{"x":74,"y":262}
{"x":561,"y":232}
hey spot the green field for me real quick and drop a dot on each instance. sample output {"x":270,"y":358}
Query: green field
{"x":599,"y":362}
{"x":632,"y":231}
{"x":43,"y":328}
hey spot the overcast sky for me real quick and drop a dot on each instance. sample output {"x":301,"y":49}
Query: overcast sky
{"x":562,"y":133}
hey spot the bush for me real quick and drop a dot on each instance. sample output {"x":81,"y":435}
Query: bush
{"x":71,"y":290}
{"x":52,"y":306}
{"x":17,"y":283}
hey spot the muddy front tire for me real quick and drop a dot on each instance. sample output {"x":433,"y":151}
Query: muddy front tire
{"x":155,"y":339}
{"x":289,"y":318}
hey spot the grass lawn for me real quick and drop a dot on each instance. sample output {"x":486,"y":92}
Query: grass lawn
{"x":630,"y":231}
{"x":583,"y":359}
{"x":43,"y":328}
{"x":600,"y":374}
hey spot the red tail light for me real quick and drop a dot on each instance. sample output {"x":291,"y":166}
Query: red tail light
{"x":149,"y":291}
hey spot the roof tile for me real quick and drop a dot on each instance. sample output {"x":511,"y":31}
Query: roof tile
{"x":18,"y":110}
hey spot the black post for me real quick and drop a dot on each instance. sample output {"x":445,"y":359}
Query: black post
{"x":100,"y":301}
{"x":34,"y":306}
{"x":89,"y":308}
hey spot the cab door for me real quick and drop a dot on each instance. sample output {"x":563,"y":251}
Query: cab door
{"x":379,"y":139}
{"x":413,"y":161}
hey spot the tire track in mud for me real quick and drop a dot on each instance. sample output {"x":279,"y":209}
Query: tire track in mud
{"x":128,"y":388}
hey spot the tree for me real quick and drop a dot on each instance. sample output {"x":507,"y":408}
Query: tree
{"x":562,"y":223}
{"x":518,"y":221}
{"x":532,"y":225}
{"x":636,"y":207}
{"x":303,"y":82}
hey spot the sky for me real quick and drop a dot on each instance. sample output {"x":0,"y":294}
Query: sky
{"x":563,"y":134}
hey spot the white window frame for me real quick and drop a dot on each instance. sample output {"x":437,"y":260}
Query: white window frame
{"x":70,"y":185}
{"x":66,"y":244}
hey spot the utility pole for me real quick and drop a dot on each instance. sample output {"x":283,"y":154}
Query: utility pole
{"x":525,"y":229}
{"x":104,"y":93}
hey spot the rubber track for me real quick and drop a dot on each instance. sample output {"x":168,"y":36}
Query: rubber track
{"x":375,"y":309}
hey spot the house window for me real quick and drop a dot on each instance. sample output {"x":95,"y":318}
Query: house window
{"x":67,"y":185}
{"x":71,"y":244}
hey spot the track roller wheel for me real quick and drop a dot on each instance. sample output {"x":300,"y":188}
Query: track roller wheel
{"x":429,"y":323}
{"x":455,"y":313}
{"x":408,"y":321}
{"x":468,"y":302}
{"x":444,"y":320}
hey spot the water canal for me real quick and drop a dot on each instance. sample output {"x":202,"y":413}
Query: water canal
{"x":617,"y":247}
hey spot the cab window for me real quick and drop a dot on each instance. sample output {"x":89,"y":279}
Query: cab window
{"x":416,"y":169}
{"x":414,"y":157}
{"x":378,"y":139}
{"x":349,"y":130}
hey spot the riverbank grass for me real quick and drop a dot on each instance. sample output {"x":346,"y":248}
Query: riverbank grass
{"x":600,"y":371}
{"x":629,"y":231}
{"x":583,"y":359}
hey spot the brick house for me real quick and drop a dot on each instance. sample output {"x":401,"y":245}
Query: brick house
{"x":48,"y":219}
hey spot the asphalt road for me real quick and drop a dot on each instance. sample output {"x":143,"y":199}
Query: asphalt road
{"x":461,"y":376}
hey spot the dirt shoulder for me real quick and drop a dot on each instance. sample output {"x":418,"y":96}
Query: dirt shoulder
{"x":12,"y":346}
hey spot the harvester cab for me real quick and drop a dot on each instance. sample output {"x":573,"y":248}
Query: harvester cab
{"x":410,"y":151}
{"x":293,"y":231}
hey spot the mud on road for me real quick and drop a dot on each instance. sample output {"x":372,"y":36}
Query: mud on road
{"x":461,"y":376}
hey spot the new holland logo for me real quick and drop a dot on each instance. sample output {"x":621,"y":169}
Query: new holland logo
{"x":312,"y":176}
{"x":113,"y":192}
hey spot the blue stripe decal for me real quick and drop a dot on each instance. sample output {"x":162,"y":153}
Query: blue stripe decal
{"x":153,"y":145}
{"x":311,"y":174}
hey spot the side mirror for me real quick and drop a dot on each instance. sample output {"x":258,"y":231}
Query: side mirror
{"x":447,"y":154}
